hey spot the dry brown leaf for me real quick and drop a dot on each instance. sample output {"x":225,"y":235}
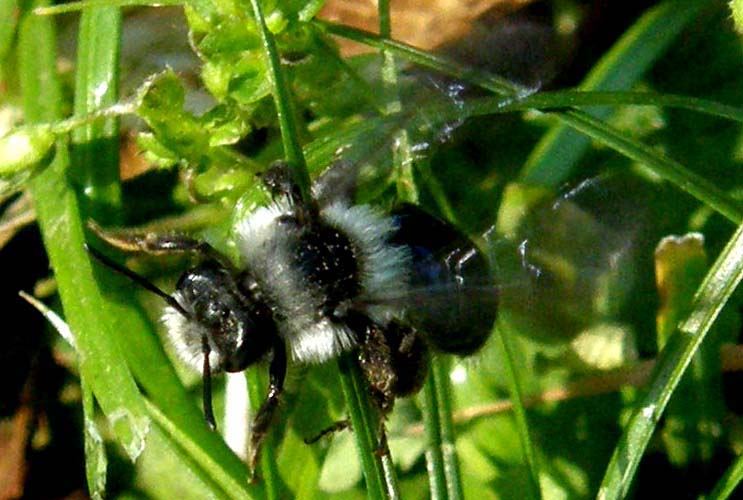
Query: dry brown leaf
{"x":423,"y":24}
{"x":14,"y":434}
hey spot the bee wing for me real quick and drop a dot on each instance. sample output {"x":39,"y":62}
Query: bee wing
{"x":571,"y":257}
{"x":564,"y":265}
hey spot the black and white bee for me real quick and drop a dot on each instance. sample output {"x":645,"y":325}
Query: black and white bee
{"x":320,"y":278}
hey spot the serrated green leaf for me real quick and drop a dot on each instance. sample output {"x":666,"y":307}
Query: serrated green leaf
{"x":226,"y":125}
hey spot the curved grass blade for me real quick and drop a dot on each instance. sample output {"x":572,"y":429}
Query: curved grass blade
{"x":620,"y":68}
{"x":87,"y":309}
{"x":225,"y":483}
{"x":666,"y":168}
{"x":582,"y":98}
{"x":683,"y":178}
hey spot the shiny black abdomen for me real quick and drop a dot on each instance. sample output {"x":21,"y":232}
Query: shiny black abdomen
{"x":453,"y":300}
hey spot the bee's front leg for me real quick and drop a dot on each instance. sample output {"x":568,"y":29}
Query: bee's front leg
{"x":279,"y":182}
{"x":264,"y":417}
{"x":153,"y":243}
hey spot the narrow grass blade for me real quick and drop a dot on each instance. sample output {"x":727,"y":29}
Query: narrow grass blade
{"x":506,"y":342}
{"x":718,"y":285}
{"x":443,"y":465}
{"x":76,"y":6}
{"x":668,"y":169}
{"x":269,"y":474}
{"x":284,"y":107}
{"x":592,"y":127}
{"x":729,"y":482}
{"x":230,"y":485}
{"x":364,"y":423}
{"x":59,"y":218}
{"x":95,"y":449}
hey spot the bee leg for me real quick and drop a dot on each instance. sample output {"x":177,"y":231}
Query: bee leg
{"x":409,"y":358}
{"x":338,"y":426}
{"x":394,"y":361}
{"x":155,"y":244}
{"x":264,"y":417}
{"x":376,"y":362}
{"x":279,"y":182}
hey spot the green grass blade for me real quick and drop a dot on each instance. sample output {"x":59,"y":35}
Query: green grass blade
{"x":8,"y":23}
{"x":619,"y":69}
{"x":230,"y":485}
{"x":95,"y":145}
{"x":581,"y":98}
{"x":96,"y":161}
{"x":506,"y":341}
{"x":728,"y":483}
{"x":95,"y":449}
{"x":58,"y":214}
{"x":406,"y":187}
{"x":713,"y":293}
{"x":493,"y":83}
{"x":364,"y":423}
{"x":77,"y":6}
{"x":269,"y":475}
{"x":578,"y":120}
{"x":101,"y":340}
{"x":443,"y":465}
{"x":664,"y":167}
{"x":362,"y":416}
{"x":284,"y":107}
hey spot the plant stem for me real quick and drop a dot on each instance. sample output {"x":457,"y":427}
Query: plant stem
{"x":284,"y":108}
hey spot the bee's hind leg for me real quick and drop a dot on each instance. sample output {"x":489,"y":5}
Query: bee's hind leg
{"x":394,"y":361}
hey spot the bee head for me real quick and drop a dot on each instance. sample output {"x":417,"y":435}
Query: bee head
{"x":216,"y":318}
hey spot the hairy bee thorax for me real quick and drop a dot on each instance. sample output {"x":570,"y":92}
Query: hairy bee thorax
{"x":314,"y":274}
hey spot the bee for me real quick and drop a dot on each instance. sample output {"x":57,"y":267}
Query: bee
{"x":319,"y":278}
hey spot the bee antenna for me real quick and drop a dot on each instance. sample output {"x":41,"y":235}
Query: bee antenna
{"x":140,"y":280}
{"x":207,"y":375}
